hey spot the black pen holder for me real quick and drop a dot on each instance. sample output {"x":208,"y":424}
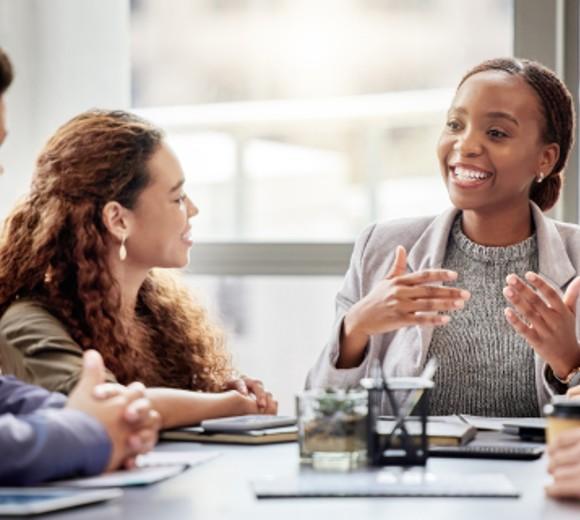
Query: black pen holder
{"x":401,"y":440}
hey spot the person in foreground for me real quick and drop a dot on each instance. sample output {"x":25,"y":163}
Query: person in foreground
{"x":77,"y":259}
{"x":502,"y":154}
{"x":43,"y":436}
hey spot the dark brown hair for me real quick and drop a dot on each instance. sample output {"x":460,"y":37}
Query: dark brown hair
{"x":53,"y":249}
{"x":557,"y":108}
{"x":6,"y":72}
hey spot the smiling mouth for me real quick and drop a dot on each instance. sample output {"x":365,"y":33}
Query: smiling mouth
{"x":468,"y":176}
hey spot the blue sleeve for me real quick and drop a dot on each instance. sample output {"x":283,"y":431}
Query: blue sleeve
{"x":17,"y":397}
{"x":51,"y":444}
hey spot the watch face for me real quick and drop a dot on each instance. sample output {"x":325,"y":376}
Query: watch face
{"x":575,"y":379}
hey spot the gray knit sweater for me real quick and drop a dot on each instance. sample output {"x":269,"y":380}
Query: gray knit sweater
{"x":485,"y":368}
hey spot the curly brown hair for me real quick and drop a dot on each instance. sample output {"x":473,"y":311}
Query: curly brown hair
{"x":53,"y":249}
{"x":557,"y":107}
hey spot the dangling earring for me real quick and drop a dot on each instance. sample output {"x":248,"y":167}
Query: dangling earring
{"x":123,"y":249}
{"x":540,"y":177}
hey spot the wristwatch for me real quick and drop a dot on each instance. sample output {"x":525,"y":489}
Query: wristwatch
{"x":572,"y":379}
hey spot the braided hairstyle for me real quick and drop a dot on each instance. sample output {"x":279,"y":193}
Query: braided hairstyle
{"x":6,"y":72}
{"x":557,"y":108}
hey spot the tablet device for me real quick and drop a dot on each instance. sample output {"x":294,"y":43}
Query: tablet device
{"x":243,"y":423}
{"x":528,"y":429}
{"x":35,"y":501}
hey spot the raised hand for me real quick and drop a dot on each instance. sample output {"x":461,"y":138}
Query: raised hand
{"x":399,"y":300}
{"x":545,"y":320}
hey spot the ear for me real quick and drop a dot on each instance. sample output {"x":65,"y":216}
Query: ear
{"x":548,"y":158}
{"x":117,"y":219}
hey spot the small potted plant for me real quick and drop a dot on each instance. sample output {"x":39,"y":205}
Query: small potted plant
{"x":332,"y":427}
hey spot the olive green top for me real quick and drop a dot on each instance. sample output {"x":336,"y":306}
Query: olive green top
{"x":37,"y":348}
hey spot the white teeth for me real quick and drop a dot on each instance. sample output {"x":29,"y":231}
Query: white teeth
{"x":186,"y":236}
{"x":467,"y":174}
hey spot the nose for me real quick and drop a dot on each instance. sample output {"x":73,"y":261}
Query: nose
{"x":192,"y":210}
{"x":468,"y":143}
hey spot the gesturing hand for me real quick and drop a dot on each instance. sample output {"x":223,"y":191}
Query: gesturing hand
{"x":399,"y":300}
{"x":545,"y":320}
{"x":403,"y":299}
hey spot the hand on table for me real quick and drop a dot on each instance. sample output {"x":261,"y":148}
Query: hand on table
{"x":545,"y":320}
{"x":254,"y":389}
{"x":564,"y":465}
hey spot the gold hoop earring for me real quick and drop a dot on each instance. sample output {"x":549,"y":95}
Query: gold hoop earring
{"x":540,"y":178}
{"x":123,"y":249}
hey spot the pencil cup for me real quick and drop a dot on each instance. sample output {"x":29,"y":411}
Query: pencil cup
{"x":563,"y":414}
{"x":332,"y":426}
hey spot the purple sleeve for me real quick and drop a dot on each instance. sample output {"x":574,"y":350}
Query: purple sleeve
{"x":51,"y":444}
{"x":17,"y":397}
{"x":40,"y":441}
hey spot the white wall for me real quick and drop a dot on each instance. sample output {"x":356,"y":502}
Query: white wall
{"x":69,"y":55}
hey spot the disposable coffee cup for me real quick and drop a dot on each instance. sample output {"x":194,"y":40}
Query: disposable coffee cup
{"x":562,"y":414}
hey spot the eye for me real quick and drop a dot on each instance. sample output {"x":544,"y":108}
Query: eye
{"x":496,"y":133}
{"x":180,"y":199}
{"x":453,"y":125}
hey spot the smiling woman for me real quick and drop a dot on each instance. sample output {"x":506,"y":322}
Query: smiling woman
{"x":502,"y":153}
{"x":77,"y":261}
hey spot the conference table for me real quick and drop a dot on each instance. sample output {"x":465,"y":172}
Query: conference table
{"x":222,"y":488}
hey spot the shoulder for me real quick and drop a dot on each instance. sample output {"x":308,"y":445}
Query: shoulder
{"x":30,"y":314}
{"x":383,"y":236}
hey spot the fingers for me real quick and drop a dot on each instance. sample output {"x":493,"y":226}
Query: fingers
{"x":571,"y":295}
{"x":431,"y":291}
{"x":399,"y":266}
{"x":256,"y":387}
{"x":565,"y":440}
{"x":564,"y":489}
{"x":428,"y":276}
{"x":146,"y":437}
{"x":240,"y":385}
{"x":549,"y":294}
{"x":271,"y":406}
{"x":429,"y":305}
{"x":574,"y":392}
{"x":93,"y":371}
{"x":137,"y":411}
{"x":528,"y":305}
{"x":107,"y":390}
{"x":528,"y":333}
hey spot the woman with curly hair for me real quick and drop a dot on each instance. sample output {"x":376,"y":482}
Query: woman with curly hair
{"x":77,"y":259}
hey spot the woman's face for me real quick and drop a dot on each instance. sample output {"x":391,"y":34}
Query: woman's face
{"x":491,"y":150}
{"x":160,"y":230}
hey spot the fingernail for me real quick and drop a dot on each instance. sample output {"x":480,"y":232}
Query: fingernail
{"x":465,"y":294}
{"x":508,"y":292}
{"x":511,"y":280}
{"x":459,"y":303}
{"x":531,"y":276}
{"x":444,"y":319}
{"x":452,"y":275}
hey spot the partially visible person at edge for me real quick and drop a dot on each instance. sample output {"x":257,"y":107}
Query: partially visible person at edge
{"x":43,"y":436}
{"x":502,"y":154}
{"x":77,"y":257}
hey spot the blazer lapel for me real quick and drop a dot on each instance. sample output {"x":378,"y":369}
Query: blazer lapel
{"x":429,"y":253}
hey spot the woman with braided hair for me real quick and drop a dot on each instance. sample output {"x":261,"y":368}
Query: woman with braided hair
{"x":505,"y":335}
{"x":77,"y":271}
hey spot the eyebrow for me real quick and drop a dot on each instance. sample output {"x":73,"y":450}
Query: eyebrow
{"x":177,"y":186}
{"x":491,"y":115}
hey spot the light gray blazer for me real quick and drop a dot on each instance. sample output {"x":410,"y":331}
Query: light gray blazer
{"x":403,"y":352}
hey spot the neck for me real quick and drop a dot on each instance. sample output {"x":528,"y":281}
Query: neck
{"x":130,"y":278}
{"x":496,"y":228}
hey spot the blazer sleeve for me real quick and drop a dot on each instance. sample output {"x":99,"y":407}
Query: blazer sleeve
{"x":51,"y":444}
{"x":36,"y":348}
{"x":324,"y":373}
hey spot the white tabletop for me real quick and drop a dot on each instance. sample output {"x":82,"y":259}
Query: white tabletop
{"x":221,"y":488}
